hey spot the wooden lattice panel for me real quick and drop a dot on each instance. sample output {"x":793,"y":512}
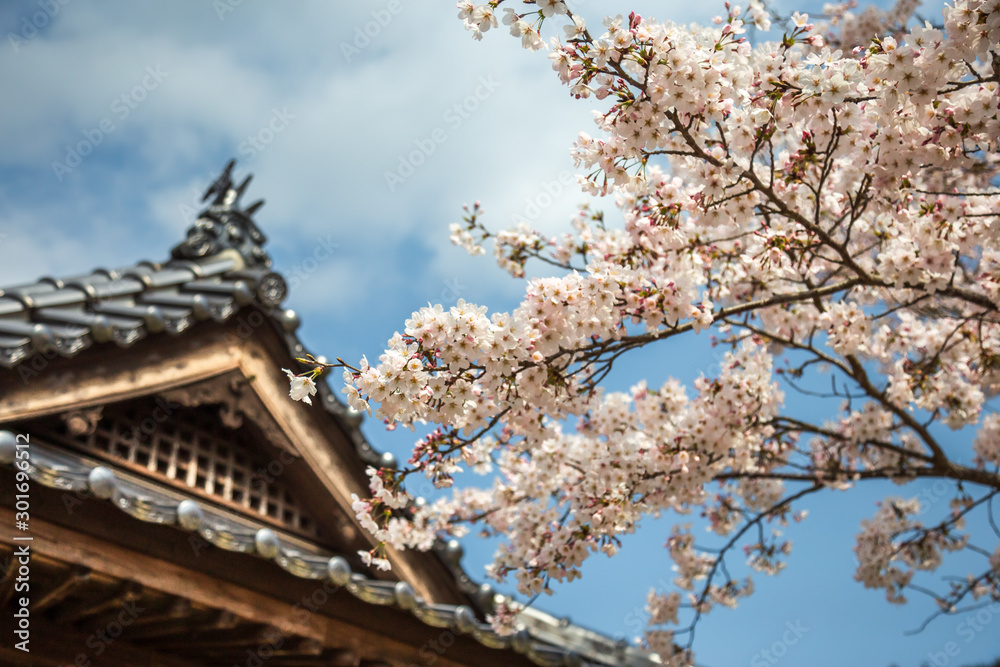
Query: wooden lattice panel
{"x":192,"y":446}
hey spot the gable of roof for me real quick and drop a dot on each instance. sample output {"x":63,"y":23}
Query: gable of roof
{"x":219,"y":271}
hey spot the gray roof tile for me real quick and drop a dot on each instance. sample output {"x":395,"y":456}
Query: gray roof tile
{"x":220,"y":268}
{"x":9,"y":306}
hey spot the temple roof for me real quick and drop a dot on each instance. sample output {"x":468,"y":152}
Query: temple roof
{"x":220,"y":268}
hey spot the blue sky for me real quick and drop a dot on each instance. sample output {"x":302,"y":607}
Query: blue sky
{"x":163,"y":95}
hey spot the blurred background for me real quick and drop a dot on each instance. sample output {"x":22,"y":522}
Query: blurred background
{"x":367,"y":125}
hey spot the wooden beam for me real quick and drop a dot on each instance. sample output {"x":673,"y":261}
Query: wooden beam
{"x":165,"y":628}
{"x":62,"y":590}
{"x":327,"y":659}
{"x":271,"y":387}
{"x":69,"y":614}
{"x":344,"y":658}
{"x":100,"y":556}
{"x":303,"y":647}
{"x":178,"y":609}
{"x":11,"y":657}
{"x":60,"y":646}
{"x":225,"y":620}
{"x":57,"y":542}
{"x":249,"y":636}
{"x":84,"y":381}
{"x":125,"y":373}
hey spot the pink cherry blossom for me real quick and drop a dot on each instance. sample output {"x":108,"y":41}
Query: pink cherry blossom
{"x":824,"y":209}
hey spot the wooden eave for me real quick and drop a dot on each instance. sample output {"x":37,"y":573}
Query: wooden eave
{"x":106,"y":374}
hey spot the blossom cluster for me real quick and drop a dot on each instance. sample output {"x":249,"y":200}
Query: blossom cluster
{"x":831,"y":195}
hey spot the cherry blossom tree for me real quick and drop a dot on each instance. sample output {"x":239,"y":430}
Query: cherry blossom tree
{"x":824,"y":203}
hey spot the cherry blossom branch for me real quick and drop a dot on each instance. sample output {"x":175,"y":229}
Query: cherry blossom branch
{"x":755,"y":522}
{"x":835,"y":202}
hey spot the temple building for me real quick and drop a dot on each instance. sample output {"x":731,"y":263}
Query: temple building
{"x":181,"y":510}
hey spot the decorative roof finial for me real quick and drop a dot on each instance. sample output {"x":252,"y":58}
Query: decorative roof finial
{"x":224,"y":225}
